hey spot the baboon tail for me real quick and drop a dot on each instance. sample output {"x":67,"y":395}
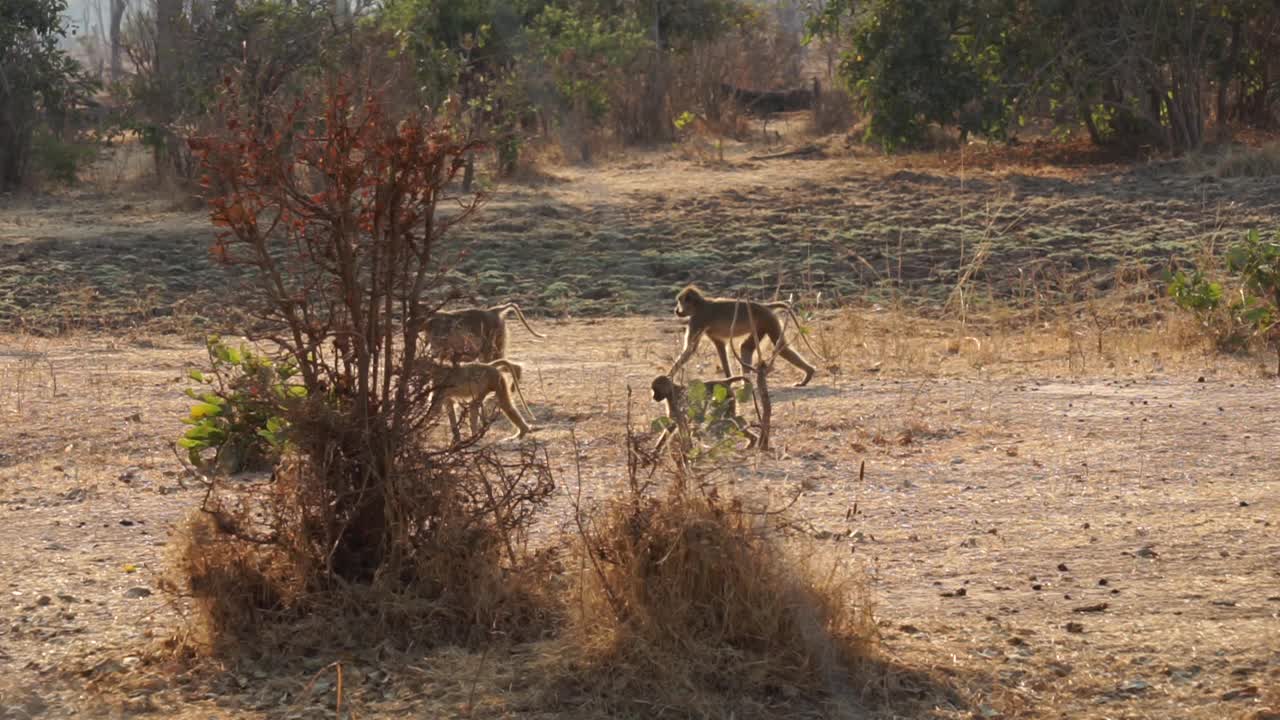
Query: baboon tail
{"x":504,"y":364}
{"x":506,"y":307}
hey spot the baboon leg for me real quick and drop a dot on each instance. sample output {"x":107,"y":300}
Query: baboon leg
{"x":691,"y":340}
{"x":794,"y":358}
{"x":453,"y":421}
{"x":496,"y":344}
{"x":473,"y":415}
{"x":509,"y":409}
{"x":662,"y":439}
{"x":724,"y":356}
{"x":748,"y":349}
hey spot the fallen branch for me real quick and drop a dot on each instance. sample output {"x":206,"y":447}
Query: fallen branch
{"x":805,"y":151}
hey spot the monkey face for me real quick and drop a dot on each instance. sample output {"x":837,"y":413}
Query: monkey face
{"x":686,"y":302}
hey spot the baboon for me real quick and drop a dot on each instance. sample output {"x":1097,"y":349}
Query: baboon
{"x":723,"y":319}
{"x":474,"y":333}
{"x":675,"y":399}
{"x":471,"y":383}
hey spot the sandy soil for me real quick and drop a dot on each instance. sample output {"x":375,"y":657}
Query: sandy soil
{"x":1065,"y":545}
{"x":1054,"y":528}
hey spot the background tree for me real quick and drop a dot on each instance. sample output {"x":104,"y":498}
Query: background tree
{"x":1132,"y":72}
{"x":39,"y":83}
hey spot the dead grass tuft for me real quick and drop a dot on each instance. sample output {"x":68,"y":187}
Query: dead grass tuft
{"x":257,"y":561}
{"x":834,"y":112}
{"x":1237,"y":161}
{"x":691,"y":603}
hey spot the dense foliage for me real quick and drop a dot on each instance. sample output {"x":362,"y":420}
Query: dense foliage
{"x":40,"y":84}
{"x":1128,"y":71}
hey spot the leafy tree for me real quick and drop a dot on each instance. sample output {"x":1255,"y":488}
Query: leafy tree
{"x":1132,"y":71}
{"x":39,"y":83}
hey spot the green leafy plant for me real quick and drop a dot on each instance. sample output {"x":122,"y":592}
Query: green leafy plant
{"x":1250,"y":309}
{"x":237,"y":421}
{"x":1257,"y":261}
{"x":711,"y":415}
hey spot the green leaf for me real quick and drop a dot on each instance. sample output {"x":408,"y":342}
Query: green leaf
{"x":197,"y":376}
{"x":720,"y":394}
{"x":204,"y":410}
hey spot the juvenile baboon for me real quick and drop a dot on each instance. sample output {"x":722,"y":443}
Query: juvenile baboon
{"x":471,"y":383}
{"x":724,"y":319}
{"x":474,"y":333}
{"x":675,"y":399}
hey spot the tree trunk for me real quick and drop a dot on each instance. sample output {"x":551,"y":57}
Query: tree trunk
{"x":117,"y":17}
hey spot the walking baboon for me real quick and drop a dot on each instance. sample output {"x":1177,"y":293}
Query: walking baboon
{"x":474,"y":333}
{"x":675,"y":399}
{"x":471,"y":383}
{"x":724,"y":319}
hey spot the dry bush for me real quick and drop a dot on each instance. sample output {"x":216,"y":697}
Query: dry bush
{"x":257,"y":560}
{"x":694,"y":603}
{"x":1238,"y":161}
{"x":833,"y":112}
{"x":366,"y":531}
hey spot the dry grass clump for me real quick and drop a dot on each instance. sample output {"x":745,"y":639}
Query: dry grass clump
{"x":691,"y":603}
{"x":258,"y":561}
{"x":1243,"y":161}
{"x":833,"y":112}
{"x":1237,"y":160}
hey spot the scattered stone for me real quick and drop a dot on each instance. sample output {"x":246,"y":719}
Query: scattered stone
{"x":909,"y":629}
{"x":958,"y":592}
{"x":1146,"y":551}
{"x":1100,"y":607}
{"x":1223,"y":603}
{"x":137,"y":592}
{"x":1062,"y":567}
{"x":43,"y":600}
{"x":1104,"y":582}
{"x":1244,"y":503}
{"x":1074,"y":627}
{"x":1134,"y":687}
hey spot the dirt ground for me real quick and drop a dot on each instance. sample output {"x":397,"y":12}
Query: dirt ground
{"x":1052,"y":528}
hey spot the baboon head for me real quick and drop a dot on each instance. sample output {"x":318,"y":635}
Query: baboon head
{"x":663,"y":388}
{"x":688,"y":301}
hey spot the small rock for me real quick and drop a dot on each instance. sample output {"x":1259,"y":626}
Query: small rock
{"x":1074,"y":627}
{"x":1100,"y":607}
{"x":1244,"y":503}
{"x":1134,"y":687}
{"x":1146,"y":551}
{"x":959,"y":592}
{"x":1062,"y":567}
{"x":1103,"y":582}
{"x":1250,"y":691}
{"x":1223,"y":603}
{"x":909,"y":629}
{"x":137,"y":592}
{"x":1037,"y":586}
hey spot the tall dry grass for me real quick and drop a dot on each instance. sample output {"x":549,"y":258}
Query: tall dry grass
{"x":701,"y":605}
